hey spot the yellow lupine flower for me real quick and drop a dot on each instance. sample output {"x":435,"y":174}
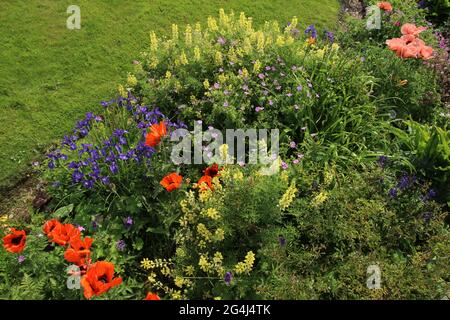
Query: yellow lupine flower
{"x":275,"y":26}
{"x":257,"y":66}
{"x":319,"y":199}
{"x":188,"y":35}
{"x":280,"y":41}
{"x":218,"y":58}
{"x":223,"y":150}
{"x":247,"y":46}
{"x":320,"y":53}
{"x":242,"y":19}
{"x":260,"y":41}
{"x":153,"y":41}
{"x":206,"y":84}
{"x":131,"y":80}
{"x":288,"y":197}
{"x":197,"y":54}
{"x":244,"y":73}
{"x":212,"y":24}
{"x":123,"y":93}
{"x":183,"y":58}
{"x":168,"y":74}
{"x":174,"y":32}
{"x":223,"y":18}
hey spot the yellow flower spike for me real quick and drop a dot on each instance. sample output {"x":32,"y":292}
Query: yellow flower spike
{"x":153,"y":41}
{"x":197,"y":54}
{"x":319,"y":199}
{"x":212,"y":24}
{"x":174,"y":32}
{"x":280,"y":41}
{"x":168,"y":74}
{"x":183,"y":58}
{"x":218,"y":58}
{"x":206,"y":84}
{"x":242,"y":20}
{"x":247,"y":46}
{"x":188,"y":36}
{"x":260,"y":41}
{"x":276,"y":26}
{"x":223,"y":149}
{"x":123,"y":93}
{"x":131,"y":80}
{"x":288,"y":197}
{"x":257,"y":66}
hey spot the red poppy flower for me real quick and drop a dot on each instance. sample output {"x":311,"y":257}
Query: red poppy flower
{"x":171,"y":181}
{"x":384,"y":5}
{"x":50,"y":225}
{"x":205,"y":182}
{"x":212,"y":171}
{"x":63,"y":233}
{"x":15,"y":241}
{"x":78,"y":251}
{"x":99,"y":278}
{"x":152,"y":296}
{"x":157,"y":131}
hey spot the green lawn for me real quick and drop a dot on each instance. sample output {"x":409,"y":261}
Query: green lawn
{"x":50,"y":76}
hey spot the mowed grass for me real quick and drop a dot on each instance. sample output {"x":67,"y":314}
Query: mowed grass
{"x":50,"y":76}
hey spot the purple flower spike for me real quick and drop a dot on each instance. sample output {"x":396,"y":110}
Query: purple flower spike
{"x":228,"y":278}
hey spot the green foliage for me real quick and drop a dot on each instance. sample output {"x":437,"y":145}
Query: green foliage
{"x":429,"y":146}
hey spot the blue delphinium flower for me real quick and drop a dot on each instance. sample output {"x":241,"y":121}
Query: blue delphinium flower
{"x":382,"y":160}
{"x":330,"y":36}
{"x":228,"y":277}
{"x":120,"y":245}
{"x":311,"y":30}
{"x":393,"y":192}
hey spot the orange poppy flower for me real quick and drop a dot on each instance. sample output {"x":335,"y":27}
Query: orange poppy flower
{"x":212,"y":171}
{"x":411,"y":29}
{"x":157,"y":131}
{"x":171,"y":181}
{"x":78,"y":251}
{"x":384,"y":5}
{"x":50,"y":225}
{"x":15,"y":241}
{"x":63,"y":233}
{"x":152,"y":296}
{"x":205,"y":183}
{"x":99,"y":278}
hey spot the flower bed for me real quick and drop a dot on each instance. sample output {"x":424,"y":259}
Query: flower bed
{"x":352,"y":187}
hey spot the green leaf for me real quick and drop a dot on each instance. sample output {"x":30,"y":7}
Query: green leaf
{"x":64,"y":211}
